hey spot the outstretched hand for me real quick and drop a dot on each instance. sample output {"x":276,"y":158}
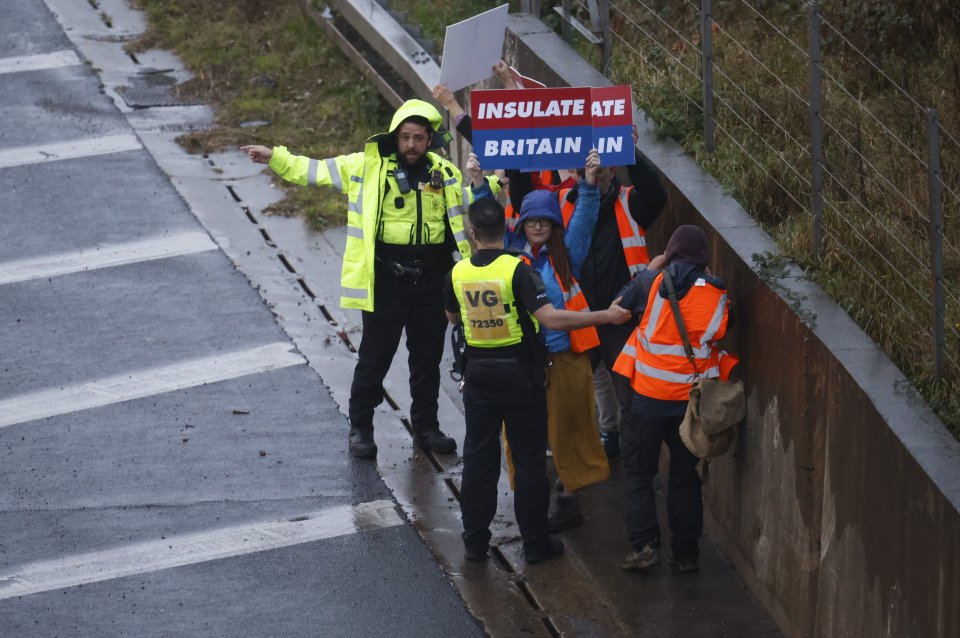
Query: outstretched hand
{"x":257,"y":153}
{"x":617,"y":314}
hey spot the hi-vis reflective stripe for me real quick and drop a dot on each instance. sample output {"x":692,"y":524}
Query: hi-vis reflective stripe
{"x":460,"y":236}
{"x":634,"y":242}
{"x":573,"y":292}
{"x":334,"y":174}
{"x":715,"y":321}
{"x":661,"y":348}
{"x":353,"y":231}
{"x":466,"y":194}
{"x":353,"y":208}
{"x":454,"y":211}
{"x":353,"y":293}
{"x":654,"y":319}
{"x":312,"y":167}
{"x":673,"y":377}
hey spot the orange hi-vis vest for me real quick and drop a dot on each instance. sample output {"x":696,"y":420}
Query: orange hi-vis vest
{"x":654,"y":358}
{"x":582,"y":339}
{"x":632,"y":237}
{"x":510,"y":216}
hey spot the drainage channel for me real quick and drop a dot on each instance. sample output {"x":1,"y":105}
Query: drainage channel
{"x":500,"y":559}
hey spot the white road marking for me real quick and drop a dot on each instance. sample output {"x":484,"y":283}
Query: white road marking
{"x":145,"y":383}
{"x":199,"y":547}
{"x":105,"y":257}
{"x":105,"y":145}
{"x":39,"y":62}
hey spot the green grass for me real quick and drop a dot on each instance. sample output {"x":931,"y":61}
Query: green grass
{"x":875,"y":261}
{"x":258,"y":60}
{"x":433,"y":16}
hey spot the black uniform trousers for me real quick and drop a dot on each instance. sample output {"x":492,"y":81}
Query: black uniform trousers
{"x":511,"y":393}
{"x":640,"y":458}
{"x":401,"y":303}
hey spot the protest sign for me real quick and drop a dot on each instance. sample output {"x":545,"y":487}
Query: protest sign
{"x":472,"y":47}
{"x":543,"y":129}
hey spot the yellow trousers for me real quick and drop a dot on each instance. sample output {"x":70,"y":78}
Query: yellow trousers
{"x":578,"y":453}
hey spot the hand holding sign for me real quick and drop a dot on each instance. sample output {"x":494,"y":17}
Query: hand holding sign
{"x":591,"y":167}
{"x":549,"y":128}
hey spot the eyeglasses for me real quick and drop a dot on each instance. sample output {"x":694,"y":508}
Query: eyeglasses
{"x":530,"y":223}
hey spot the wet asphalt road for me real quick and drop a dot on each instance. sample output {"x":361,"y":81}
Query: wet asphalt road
{"x":172,"y":453}
{"x":125,"y":427}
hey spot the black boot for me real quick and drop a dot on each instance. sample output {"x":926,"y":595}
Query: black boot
{"x":361,"y":443}
{"x":567,"y":513}
{"x":436,"y":441}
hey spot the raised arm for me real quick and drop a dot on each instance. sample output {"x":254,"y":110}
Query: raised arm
{"x":556,"y":319}
{"x":584,"y":220}
{"x":306,"y":171}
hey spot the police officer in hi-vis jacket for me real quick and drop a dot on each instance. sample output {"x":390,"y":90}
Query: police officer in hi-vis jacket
{"x":501,"y":301}
{"x":404,"y":224}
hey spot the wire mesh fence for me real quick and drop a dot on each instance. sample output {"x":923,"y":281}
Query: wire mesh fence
{"x":887,"y":208}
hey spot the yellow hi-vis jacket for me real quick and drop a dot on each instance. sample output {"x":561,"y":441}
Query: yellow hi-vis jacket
{"x":362,"y":177}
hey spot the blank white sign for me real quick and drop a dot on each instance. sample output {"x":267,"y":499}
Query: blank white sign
{"x":472,"y":47}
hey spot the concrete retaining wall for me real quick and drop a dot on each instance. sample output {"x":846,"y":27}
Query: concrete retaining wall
{"x":839,"y":503}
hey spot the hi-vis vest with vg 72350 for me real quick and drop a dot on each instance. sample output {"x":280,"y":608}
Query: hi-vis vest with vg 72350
{"x":362,"y":177}
{"x":488,"y":308}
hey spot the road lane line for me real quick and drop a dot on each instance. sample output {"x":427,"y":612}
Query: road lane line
{"x":144,"y":383}
{"x":24,"y":155}
{"x":188,"y":549}
{"x":105,"y":257}
{"x":39,"y":62}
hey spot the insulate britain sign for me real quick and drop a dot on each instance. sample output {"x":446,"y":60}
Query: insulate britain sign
{"x":536,"y":129}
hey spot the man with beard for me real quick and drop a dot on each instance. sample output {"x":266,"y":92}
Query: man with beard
{"x":404,"y":225}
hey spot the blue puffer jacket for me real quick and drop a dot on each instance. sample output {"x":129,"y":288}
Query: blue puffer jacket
{"x":577,"y":240}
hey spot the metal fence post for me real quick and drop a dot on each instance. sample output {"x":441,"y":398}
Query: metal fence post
{"x":530,"y":6}
{"x":816,"y":132}
{"x":565,"y":23}
{"x":936,"y":239}
{"x":706,"y":45}
{"x":607,"y":36}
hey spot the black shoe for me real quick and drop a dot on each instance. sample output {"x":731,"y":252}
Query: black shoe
{"x":435,"y":441}
{"x":361,"y":443}
{"x":567,"y":514}
{"x":611,"y":443}
{"x":551,"y":548}
{"x":639,"y":561}
{"x":475,"y":553}
{"x":685,"y":565}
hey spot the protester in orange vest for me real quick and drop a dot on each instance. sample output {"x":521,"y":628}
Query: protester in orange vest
{"x":617,"y":253}
{"x":657,"y":368}
{"x":556,"y":252}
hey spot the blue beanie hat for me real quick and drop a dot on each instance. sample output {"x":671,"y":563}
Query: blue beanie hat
{"x":540,"y":204}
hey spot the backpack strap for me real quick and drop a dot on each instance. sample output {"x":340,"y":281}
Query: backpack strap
{"x":675,"y":304}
